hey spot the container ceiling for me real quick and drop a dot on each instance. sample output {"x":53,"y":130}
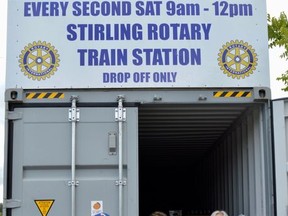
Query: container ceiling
{"x":182,"y":133}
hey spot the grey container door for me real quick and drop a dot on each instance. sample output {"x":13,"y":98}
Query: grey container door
{"x":41,"y":170}
{"x":280,"y":122}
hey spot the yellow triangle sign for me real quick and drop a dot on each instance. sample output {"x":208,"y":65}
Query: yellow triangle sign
{"x":44,"y":206}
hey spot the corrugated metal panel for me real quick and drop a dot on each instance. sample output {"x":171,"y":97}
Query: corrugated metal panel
{"x":186,"y":131}
{"x":280,"y":121}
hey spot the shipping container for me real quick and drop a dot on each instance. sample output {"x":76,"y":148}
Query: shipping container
{"x":122,"y":108}
{"x":128,"y":152}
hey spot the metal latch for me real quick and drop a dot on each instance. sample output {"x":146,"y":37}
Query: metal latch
{"x":121,"y":182}
{"x":73,"y":183}
{"x":11,"y":203}
{"x":74,"y":114}
{"x":120,"y":114}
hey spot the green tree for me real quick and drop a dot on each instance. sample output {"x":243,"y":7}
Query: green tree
{"x":278,"y":37}
{"x":1,"y":207}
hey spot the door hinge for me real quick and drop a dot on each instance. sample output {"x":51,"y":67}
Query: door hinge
{"x":14,"y":115}
{"x":11,"y":203}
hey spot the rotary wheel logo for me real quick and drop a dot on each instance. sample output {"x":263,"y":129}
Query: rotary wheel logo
{"x":39,"y":60}
{"x":237,"y":59}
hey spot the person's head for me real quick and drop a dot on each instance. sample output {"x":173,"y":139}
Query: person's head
{"x":219,"y":213}
{"x":158,"y":213}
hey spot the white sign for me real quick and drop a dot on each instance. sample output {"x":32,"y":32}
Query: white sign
{"x":137,"y":44}
{"x":96,"y":208}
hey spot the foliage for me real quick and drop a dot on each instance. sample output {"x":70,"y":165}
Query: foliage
{"x":278,"y":37}
{"x":1,"y":207}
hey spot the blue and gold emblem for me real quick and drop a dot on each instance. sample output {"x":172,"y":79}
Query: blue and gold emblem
{"x":39,"y":60}
{"x":237,"y":59}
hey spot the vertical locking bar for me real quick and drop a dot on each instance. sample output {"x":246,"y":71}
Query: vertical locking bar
{"x":73,"y":117}
{"x":120,"y":114}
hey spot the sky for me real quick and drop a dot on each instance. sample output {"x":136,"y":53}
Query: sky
{"x":277,"y":67}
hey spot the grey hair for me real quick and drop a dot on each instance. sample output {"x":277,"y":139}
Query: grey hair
{"x":219,"y":212}
{"x":158,"y":213}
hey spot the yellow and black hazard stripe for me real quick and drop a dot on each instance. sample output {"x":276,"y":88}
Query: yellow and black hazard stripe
{"x":44,"y":95}
{"x":229,"y":94}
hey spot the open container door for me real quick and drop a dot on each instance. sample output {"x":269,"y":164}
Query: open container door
{"x":280,"y":122}
{"x":71,"y":158}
